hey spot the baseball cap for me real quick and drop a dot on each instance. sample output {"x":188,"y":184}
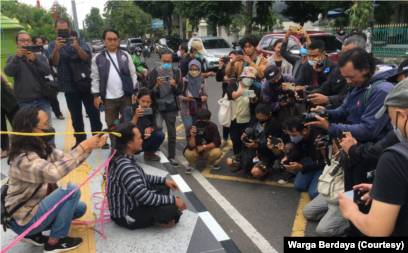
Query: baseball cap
{"x":403,"y":67}
{"x":271,"y":73}
{"x":397,"y":97}
{"x":202,"y":112}
{"x":198,"y":46}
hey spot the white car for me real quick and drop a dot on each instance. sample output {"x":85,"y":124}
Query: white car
{"x":123,"y":44}
{"x":215,"y":48}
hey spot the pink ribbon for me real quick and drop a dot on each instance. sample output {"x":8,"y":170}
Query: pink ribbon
{"x":38,"y":222}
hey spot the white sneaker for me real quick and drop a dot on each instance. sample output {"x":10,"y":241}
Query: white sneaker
{"x":189,"y":170}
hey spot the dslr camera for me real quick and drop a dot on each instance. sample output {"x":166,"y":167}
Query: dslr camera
{"x":249,"y":131}
{"x":283,"y":98}
{"x":310,"y":117}
{"x":320,"y":64}
{"x":326,"y":143}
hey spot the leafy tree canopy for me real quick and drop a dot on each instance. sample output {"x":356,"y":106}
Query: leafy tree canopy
{"x":94,"y":24}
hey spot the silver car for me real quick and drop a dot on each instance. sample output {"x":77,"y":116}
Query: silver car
{"x":98,"y":46}
{"x":215,"y":48}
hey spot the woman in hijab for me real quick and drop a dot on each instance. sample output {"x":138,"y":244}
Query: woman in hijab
{"x":194,"y":94}
{"x":341,"y":35}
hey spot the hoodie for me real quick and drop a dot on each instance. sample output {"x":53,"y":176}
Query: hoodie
{"x":364,"y":126}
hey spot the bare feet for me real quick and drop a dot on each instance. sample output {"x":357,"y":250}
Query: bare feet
{"x":4,"y":154}
{"x":170,"y":225}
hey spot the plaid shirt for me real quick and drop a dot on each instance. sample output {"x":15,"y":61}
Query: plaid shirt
{"x":211,"y":135}
{"x":185,"y":106}
{"x":27,"y":171}
{"x":64,"y":77}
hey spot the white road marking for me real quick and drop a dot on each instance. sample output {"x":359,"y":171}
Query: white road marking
{"x":183,"y":186}
{"x":163,"y":158}
{"x":214,"y":227}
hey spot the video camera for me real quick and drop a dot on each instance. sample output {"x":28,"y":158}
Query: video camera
{"x":310,"y":117}
{"x":326,"y":143}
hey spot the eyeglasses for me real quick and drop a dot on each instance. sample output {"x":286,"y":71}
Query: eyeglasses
{"x":166,"y":62}
{"x":112,"y":39}
{"x":24,"y":40}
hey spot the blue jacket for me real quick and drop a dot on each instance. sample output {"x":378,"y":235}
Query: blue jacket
{"x":270,"y":93}
{"x":365,"y":127}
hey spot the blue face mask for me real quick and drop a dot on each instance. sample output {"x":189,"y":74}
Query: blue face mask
{"x":197,"y":56}
{"x":166,"y":66}
{"x":311,"y":62}
{"x":296,"y":139}
{"x":303,"y":51}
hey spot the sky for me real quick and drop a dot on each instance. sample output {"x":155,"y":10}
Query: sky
{"x":83,"y":7}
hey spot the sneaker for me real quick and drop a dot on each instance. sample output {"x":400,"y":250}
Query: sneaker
{"x":65,"y":244}
{"x":106,"y":146}
{"x":189,"y":170}
{"x":287,"y":178}
{"x":61,"y":117}
{"x":174,"y":163}
{"x":215,"y":166}
{"x":151,"y":155}
{"x":36,"y":240}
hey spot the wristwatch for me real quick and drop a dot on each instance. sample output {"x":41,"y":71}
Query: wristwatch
{"x":204,"y":148}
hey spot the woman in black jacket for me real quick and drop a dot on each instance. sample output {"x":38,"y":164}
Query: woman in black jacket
{"x":222,"y":77}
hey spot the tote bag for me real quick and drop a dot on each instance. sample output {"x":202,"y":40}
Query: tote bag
{"x":224,"y":114}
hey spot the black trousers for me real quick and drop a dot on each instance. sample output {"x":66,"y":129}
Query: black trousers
{"x":74,"y":102}
{"x":146,"y":216}
{"x":55,"y":107}
{"x":225,"y":130}
{"x":236,"y":131}
{"x":5,"y":143}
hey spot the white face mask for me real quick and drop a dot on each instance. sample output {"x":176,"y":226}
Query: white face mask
{"x":45,"y":47}
{"x":179,"y":54}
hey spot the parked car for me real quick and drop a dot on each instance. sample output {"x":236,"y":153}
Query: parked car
{"x":215,"y":47}
{"x":132,"y":43}
{"x":123,"y":44}
{"x":171,"y":43}
{"x":98,"y":46}
{"x":333,"y":45}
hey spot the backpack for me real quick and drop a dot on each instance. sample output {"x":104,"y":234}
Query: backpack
{"x":80,"y":71}
{"x":369,"y":89}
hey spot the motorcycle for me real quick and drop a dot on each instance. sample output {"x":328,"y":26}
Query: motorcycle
{"x":146,"y":52}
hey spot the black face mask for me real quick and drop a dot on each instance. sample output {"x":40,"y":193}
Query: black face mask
{"x":47,"y":138}
{"x":264,"y":121}
{"x":201,"y":124}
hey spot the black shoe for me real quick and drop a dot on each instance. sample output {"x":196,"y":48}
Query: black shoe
{"x":66,"y":244}
{"x":174,"y":163}
{"x":37,"y":239}
{"x":106,"y":146}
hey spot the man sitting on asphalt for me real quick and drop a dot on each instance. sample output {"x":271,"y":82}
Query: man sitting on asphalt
{"x":203,"y":141}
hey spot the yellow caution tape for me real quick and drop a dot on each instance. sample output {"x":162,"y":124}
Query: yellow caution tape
{"x":45,"y":134}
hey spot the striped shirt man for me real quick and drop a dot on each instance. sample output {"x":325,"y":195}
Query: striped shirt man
{"x":129,"y":187}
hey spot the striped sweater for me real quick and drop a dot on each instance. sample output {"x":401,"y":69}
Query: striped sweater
{"x":130,"y":187}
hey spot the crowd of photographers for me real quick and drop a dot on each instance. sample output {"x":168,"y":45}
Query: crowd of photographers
{"x":330,"y":127}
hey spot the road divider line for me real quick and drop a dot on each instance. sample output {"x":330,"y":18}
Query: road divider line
{"x":299,"y":225}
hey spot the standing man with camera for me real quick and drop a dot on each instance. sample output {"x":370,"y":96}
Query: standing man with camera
{"x":64,"y":55}
{"x":203,"y":141}
{"x":114,"y":79}
{"x":166,"y":85}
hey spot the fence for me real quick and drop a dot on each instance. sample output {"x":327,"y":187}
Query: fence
{"x":388,"y":40}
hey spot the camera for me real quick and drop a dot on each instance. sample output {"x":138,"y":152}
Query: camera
{"x":310,"y":117}
{"x":34,"y":49}
{"x":249,"y":131}
{"x":283,"y":98}
{"x":282,"y":164}
{"x":320,"y":64}
{"x":200,"y":125}
{"x":325,"y":140}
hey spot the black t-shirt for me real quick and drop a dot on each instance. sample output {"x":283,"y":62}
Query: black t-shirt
{"x":278,"y":64}
{"x":391,"y":186}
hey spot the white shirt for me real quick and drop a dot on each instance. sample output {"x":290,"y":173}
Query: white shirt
{"x":114,"y":87}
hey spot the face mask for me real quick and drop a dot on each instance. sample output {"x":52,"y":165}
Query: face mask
{"x":263,"y":121}
{"x":179,"y":54}
{"x":197,"y":56}
{"x":194,"y":73}
{"x":398,"y":133}
{"x":47,"y":138}
{"x":201,"y":124}
{"x":247,"y":81}
{"x":303,"y":51}
{"x":311,"y":62}
{"x":296,"y":139}
{"x":45,"y":47}
{"x":166,"y":66}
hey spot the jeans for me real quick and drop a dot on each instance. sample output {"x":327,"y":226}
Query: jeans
{"x":188,"y":121}
{"x":332,"y":223}
{"x":308,"y":181}
{"x":153,"y":142}
{"x":59,"y":221}
{"x":171,"y":131}
{"x":45,"y":106}
{"x":74,"y":101}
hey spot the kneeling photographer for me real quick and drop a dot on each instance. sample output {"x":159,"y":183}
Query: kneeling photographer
{"x":142,"y":114}
{"x":308,"y":170}
{"x":259,"y":152}
{"x":203,"y":141}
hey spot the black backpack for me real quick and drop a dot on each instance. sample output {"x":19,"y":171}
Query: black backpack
{"x":80,"y":71}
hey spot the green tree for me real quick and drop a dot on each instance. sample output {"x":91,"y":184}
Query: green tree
{"x":303,"y":11}
{"x":127,"y":18}
{"x":159,"y":10}
{"x":216,"y":13}
{"x":382,"y":13}
{"x":359,"y":14}
{"x":264,"y":14}
{"x":94,"y":24}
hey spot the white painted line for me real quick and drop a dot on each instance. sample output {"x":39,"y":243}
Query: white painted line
{"x":213,"y":226}
{"x":244,"y":224}
{"x":183,"y":186}
{"x":163,"y":158}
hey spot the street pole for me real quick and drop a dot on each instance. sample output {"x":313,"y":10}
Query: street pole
{"x":181,"y":27}
{"x":76,"y":27}
{"x":83,"y":27}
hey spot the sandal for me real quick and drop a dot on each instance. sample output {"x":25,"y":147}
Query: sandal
{"x":4,"y":154}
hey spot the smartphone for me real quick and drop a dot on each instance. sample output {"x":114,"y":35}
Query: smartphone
{"x":165,"y":79}
{"x":198,"y":99}
{"x":34,"y":49}
{"x":275,"y":141}
{"x":249,"y":94}
{"x":290,"y":86}
{"x":63,"y":34}
{"x":147,"y":111}
{"x":354,"y":195}
{"x":69,"y":41}
{"x":295,"y":29}
{"x":226,"y":59}
{"x":102,"y":108}
{"x":240,"y":52}
{"x":340,"y":133}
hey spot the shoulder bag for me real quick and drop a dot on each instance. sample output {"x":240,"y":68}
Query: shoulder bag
{"x":127,"y":82}
{"x":50,"y":89}
{"x":168,"y":103}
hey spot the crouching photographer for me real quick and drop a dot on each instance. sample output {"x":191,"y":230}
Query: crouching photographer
{"x":325,"y":207}
{"x":310,"y":165}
